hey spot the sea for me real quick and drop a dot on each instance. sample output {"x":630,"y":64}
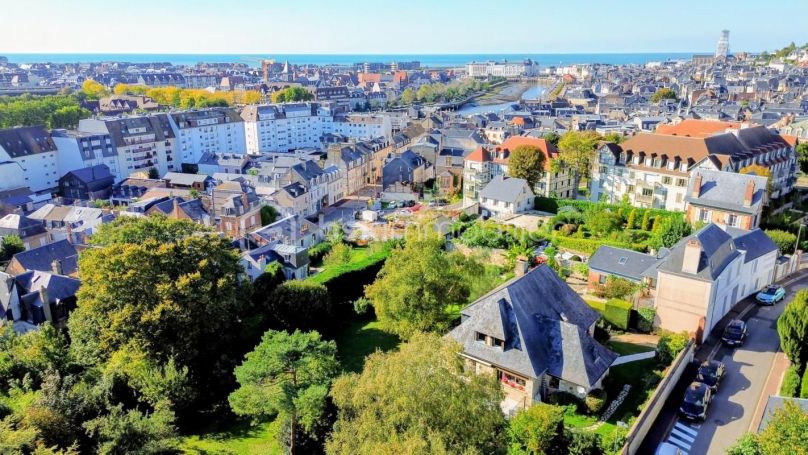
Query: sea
{"x":427,"y":60}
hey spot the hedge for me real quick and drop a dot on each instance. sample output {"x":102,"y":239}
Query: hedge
{"x":617,"y":313}
{"x":317,"y":252}
{"x":645,"y":319}
{"x":804,"y":387}
{"x":346,"y":282}
{"x":791,"y":382}
{"x":589,"y":246}
{"x":552,"y":205}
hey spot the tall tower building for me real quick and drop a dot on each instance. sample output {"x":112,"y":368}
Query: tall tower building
{"x":722,"y":48}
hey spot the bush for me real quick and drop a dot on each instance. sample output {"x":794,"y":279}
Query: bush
{"x":617,"y":313}
{"x":804,"y":385}
{"x":582,"y":442}
{"x":595,"y":400}
{"x":317,"y":252}
{"x":546,"y":204}
{"x":645,"y":319}
{"x":560,"y":398}
{"x":670,"y":345}
{"x":791,"y":382}
{"x":616,"y":288}
{"x":785,"y":240}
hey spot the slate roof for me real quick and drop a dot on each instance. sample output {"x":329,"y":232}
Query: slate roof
{"x":628,"y":264}
{"x":191,"y":119}
{"x":717,"y":251}
{"x":507,"y":189}
{"x":95,"y":177}
{"x":755,"y":243}
{"x":42,"y":257}
{"x":726,"y":191}
{"x":179,"y":178}
{"x":21,"y":225}
{"x":29,"y":140}
{"x":544,"y":325}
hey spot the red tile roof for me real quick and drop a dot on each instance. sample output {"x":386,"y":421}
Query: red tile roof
{"x":500,"y":153}
{"x":697,"y":128}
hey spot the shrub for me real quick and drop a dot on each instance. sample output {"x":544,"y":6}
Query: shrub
{"x":566,"y":399}
{"x":317,"y":252}
{"x":595,"y":400}
{"x":546,"y":204}
{"x":670,"y":345}
{"x":785,"y":240}
{"x":616,"y":288}
{"x":617,"y":313}
{"x":582,"y":442}
{"x":645,"y":319}
{"x":804,"y":385}
{"x":340,"y":254}
{"x":568,"y":229}
{"x":791,"y":382}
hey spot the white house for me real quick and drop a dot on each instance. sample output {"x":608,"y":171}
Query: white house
{"x":28,"y":158}
{"x":506,"y":196}
{"x":212,"y":131}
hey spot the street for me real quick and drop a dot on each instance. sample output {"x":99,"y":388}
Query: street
{"x":733,"y":407}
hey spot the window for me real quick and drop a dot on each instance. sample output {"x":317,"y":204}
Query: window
{"x":666,"y":180}
{"x":622,"y":260}
{"x":732,"y":219}
{"x":647,"y":192}
{"x":681,"y":182}
{"x":480,"y":336}
{"x":704,"y":215}
{"x":602,"y":279}
{"x":512,"y":380}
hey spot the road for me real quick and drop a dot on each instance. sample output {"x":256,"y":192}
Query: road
{"x":733,"y":407}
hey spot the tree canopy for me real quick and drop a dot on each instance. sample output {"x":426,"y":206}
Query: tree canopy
{"x":577,"y":150}
{"x":802,"y":156}
{"x":665,"y":93}
{"x":93,"y":90}
{"x":526,"y":162}
{"x":419,"y":399}
{"x":53,"y":111}
{"x":786,"y":432}
{"x":292,"y":94}
{"x":792,"y":326}
{"x":537,"y":429}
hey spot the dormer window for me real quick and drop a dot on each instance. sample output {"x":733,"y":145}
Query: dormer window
{"x":480,"y":336}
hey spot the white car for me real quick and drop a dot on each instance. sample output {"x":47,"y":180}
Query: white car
{"x":666,"y":448}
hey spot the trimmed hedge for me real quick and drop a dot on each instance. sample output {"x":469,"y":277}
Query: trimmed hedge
{"x":645,"y":319}
{"x":804,"y":388}
{"x":552,"y":205}
{"x":589,"y":246}
{"x":346,"y":282}
{"x":791,"y":382}
{"x":617,"y":313}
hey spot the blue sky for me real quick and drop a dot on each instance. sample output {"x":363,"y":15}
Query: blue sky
{"x":406,"y":26}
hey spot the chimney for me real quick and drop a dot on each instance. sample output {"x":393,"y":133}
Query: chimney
{"x":690,"y":263}
{"x":245,"y":202}
{"x":46,"y":306}
{"x":321,"y":220}
{"x":56,"y":266}
{"x":696,"y":186}
{"x":521,"y":266}
{"x":175,"y":212}
{"x":749,"y":193}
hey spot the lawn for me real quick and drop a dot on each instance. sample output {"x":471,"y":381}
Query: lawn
{"x":624,"y":348}
{"x":241,"y":438}
{"x":359,"y":339}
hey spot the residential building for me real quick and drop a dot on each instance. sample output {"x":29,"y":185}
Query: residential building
{"x":85,"y":184}
{"x":215,"y":131}
{"x":525,"y":68}
{"x":506,"y":196}
{"x":707,"y":273}
{"x":621,"y":263}
{"x":654,"y":170}
{"x":236,"y":208}
{"x":294,"y":260}
{"x":78,"y":150}
{"x":198,"y":182}
{"x":726,"y":199}
{"x":32,"y":298}
{"x":408,"y":168}
{"x":73,"y":223}
{"x":536,"y":335}
{"x":141,"y":143}
{"x":28,"y":159}
{"x":59,"y":257}
{"x":30,"y":231}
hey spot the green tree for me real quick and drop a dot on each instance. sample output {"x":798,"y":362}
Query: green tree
{"x":632,"y":219}
{"x":287,"y":375}
{"x":603,"y":222}
{"x":11,"y":245}
{"x":577,"y":151}
{"x":268,"y":215}
{"x":299,"y":305}
{"x":665,"y":93}
{"x":802,"y":156}
{"x":526,"y":162}
{"x":792,"y":326}
{"x":671,"y":230}
{"x":131,"y":431}
{"x":419,"y":399}
{"x":615,"y":138}
{"x":153,"y":173}
{"x":785,"y":240}
{"x":645,"y":224}
{"x":552,"y":137}
{"x":538,"y":429}
{"x":416,"y":285}
{"x":292,"y":94}
{"x":407,"y":96}
{"x":786,"y":432}
{"x":152,"y":286}
{"x":747,"y":445}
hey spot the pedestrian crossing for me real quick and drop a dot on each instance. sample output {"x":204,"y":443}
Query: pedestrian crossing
{"x":683,"y":435}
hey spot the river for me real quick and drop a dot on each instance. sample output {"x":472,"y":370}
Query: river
{"x":532,"y":93}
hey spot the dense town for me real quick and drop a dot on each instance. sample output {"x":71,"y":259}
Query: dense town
{"x":384,"y":257}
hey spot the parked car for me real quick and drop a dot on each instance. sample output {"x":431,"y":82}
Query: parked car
{"x":666,"y":448}
{"x":771,"y":295}
{"x":697,"y":400}
{"x":710,"y":373}
{"x":734,"y":333}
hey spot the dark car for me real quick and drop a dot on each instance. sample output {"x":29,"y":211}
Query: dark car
{"x":710,"y":373}
{"x":735,"y":333}
{"x":697,"y":400}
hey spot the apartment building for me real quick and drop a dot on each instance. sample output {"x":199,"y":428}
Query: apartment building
{"x":78,"y":150}
{"x":28,"y":159}
{"x":654,"y":170}
{"x":212,"y":131}
{"x":526,"y":68}
{"x":141,"y":143}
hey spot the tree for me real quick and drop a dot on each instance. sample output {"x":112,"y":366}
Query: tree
{"x":299,"y":305}
{"x":786,"y":432}
{"x":537,"y":429}
{"x":792,"y":326}
{"x":665,"y":93}
{"x":615,"y":138}
{"x":526,"y":162}
{"x":577,"y":151}
{"x":164,"y":287}
{"x":416,"y":285}
{"x":131,"y":431}
{"x":288,"y":375}
{"x":802,"y":156}
{"x":552,"y":137}
{"x":420,"y":399}
{"x":93,"y":90}
{"x":632,"y":219}
{"x":292,"y":94}
{"x":153,"y":173}
{"x":603,"y":222}
{"x":671,"y":230}
{"x":760,"y":171}
{"x":268,"y":215}
{"x":407,"y":96}
{"x":645,"y":224}
{"x":785,"y":240}
{"x":11,"y":245}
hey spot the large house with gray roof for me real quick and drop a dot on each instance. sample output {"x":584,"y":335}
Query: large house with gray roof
{"x":536,"y":335}
{"x":726,"y":198}
{"x":506,"y":196}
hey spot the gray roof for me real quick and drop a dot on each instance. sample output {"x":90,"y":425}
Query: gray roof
{"x":179,"y":178}
{"x":628,"y":264}
{"x":544,"y":325}
{"x":507,"y":189}
{"x":717,"y":251}
{"x":42,"y":258}
{"x":23,"y":141}
{"x":191,"y":119}
{"x":726,"y":190}
{"x":755,"y":243}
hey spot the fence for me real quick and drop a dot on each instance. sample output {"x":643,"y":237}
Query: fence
{"x":648,"y":415}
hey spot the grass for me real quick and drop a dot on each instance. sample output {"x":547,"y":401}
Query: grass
{"x":624,"y":348}
{"x":358,"y":340}
{"x":360,"y":259}
{"x":240,"y":438}
{"x":633,"y":373}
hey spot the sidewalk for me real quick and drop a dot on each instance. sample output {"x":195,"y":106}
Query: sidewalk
{"x":772,"y":387}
